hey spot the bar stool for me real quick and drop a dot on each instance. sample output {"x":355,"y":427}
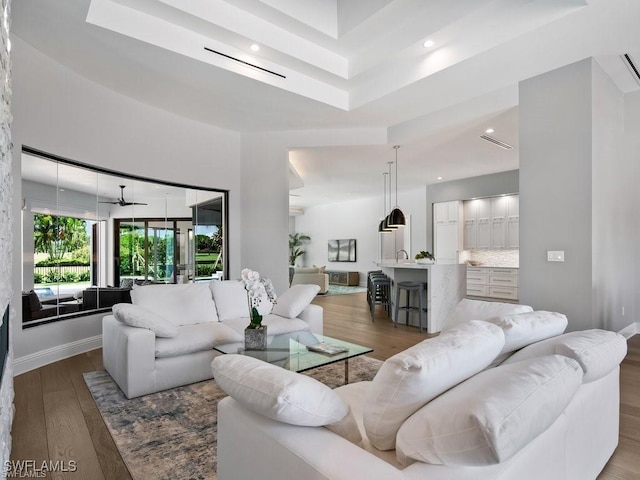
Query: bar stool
{"x":409,"y":287}
{"x":380,"y":293}
{"x":370,"y":275}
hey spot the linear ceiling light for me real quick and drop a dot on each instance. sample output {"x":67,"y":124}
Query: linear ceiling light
{"x":497,"y":142}
{"x":243,"y":62}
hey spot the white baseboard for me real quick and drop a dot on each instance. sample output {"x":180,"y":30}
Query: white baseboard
{"x":54,"y":354}
{"x":630,"y":330}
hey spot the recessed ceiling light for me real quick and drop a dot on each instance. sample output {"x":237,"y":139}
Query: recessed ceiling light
{"x":439,"y":178}
{"x":428,"y":43}
{"x":489,"y":130}
{"x":255,"y":47}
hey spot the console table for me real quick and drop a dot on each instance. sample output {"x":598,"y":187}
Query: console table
{"x":337,"y":277}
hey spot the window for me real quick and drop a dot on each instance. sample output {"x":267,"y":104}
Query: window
{"x":90,"y":234}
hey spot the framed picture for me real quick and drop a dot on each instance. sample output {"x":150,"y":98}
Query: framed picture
{"x":343,"y":250}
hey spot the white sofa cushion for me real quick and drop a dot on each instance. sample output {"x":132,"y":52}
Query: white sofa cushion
{"x":491,"y":416}
{"x":277,"y":393}
{"x":467,"y":309}
{"x":137,"y":316}
{"x":411,"y":378}
{"x":275,"y":324}
{"x":522,"y":329}
{"x":293,"y":301}
{"x":181,"y":304}
{"x":196,"y":338}
{"x":230,"y":298}
{"x":598,"y":352}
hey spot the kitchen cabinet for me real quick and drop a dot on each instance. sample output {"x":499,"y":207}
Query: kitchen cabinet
{"x":491,"y":223}
{"x":447,"y":231}
{"x":493,"y":282}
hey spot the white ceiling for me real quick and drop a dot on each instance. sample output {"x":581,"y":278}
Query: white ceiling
{"x":348,"y":64}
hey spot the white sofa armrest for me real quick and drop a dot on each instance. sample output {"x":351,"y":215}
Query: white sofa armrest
{"x":128,"y":354}
{"x":313,"y":315}
{"x":278,"y":449}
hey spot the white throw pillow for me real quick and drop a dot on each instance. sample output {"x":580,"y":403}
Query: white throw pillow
{"x":277,"y":393}
{"x":480,"y":310}
{"x":598,"y":352}
{"x":411,"y":378}
{"x":523,"y":329}
{"x":137,"y":316}
{"x":181,"y":304}
{"x":491,"y":416}
{"x":292,"y":302}
{"x":231,"y":299}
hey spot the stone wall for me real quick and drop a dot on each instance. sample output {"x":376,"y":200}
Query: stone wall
{"x":6,"y":238}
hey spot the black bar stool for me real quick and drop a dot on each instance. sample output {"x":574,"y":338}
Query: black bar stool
{"x":380,"y":293}
{"x":409,"y":287}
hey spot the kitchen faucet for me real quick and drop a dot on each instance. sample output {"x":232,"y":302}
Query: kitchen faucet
{"x":405,"y":253}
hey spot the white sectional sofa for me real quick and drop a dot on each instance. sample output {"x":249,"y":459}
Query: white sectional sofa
{"x":165,"y":338}
{"x":507,"y":396}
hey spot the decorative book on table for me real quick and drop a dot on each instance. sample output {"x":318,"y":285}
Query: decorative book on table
{"x":327,"y":348}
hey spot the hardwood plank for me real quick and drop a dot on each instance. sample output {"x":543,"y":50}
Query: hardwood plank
{"x":106,"y":450}
{"x":95,"y":356}
{"x":67,"y":433}
{"x":627,"y":456}
{"x":29,"y":441}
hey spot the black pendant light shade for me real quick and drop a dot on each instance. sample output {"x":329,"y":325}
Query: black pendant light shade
{"x":396,"y":218}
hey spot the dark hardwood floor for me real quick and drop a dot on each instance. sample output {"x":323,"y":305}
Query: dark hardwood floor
{"x":56,"y":418}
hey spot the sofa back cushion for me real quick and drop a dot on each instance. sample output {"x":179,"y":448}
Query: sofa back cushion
{"x":180,"y":304}
{"x":137,"y":316}
{"x":522,"y":329}
{"x":480,"y":310}
{"x":411,"y":378}
{"x":598,"y":352}
{"x":294,"y":300}
{"x":276,"y":393}
{"x":230,"y":298}
{"x":490,"y":417}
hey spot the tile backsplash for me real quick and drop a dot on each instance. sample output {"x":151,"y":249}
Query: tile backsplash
{"x":492,"y":258}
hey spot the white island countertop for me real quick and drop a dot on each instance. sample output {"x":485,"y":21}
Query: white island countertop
{"x":446,"y":286}
{"x":404,"y":264}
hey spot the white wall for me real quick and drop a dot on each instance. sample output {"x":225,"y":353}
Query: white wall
{"x":57,"y":111}
{"x":555,"y":192}
{"x":614,"y":203}
{"x":578,"y":193}
{"x":359,"y":219}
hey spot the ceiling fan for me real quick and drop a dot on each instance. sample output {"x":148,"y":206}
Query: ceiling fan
{"x":122,"y":202}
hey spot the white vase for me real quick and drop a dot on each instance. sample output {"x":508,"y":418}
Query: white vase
{"x":424,"y":261}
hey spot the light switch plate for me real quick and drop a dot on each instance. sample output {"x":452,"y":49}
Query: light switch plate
{"x":555,"y":256}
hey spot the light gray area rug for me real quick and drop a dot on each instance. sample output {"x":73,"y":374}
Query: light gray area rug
{"x":343,"y":289}
{"x":172,"y":434}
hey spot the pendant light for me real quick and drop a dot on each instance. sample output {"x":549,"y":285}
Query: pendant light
{"x":396,"y":217}
{"x":382,"y":228}
{"x":388,"y":227}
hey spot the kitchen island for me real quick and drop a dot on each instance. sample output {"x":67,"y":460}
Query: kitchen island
{"x":446,"y":286}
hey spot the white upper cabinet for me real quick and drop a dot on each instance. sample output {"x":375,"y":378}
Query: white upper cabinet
{"x":513,"y":221}
{"x":470,"y":232}
{"x":491,"y":223}
{"x":447,"y":231}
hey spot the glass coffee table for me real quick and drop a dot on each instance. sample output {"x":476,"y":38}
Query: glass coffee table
{"x":295,"y":351}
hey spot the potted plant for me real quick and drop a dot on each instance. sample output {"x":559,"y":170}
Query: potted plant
{"x":424,"y":257}
{"x":295,"y":242}
{"x":255,"y":334}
